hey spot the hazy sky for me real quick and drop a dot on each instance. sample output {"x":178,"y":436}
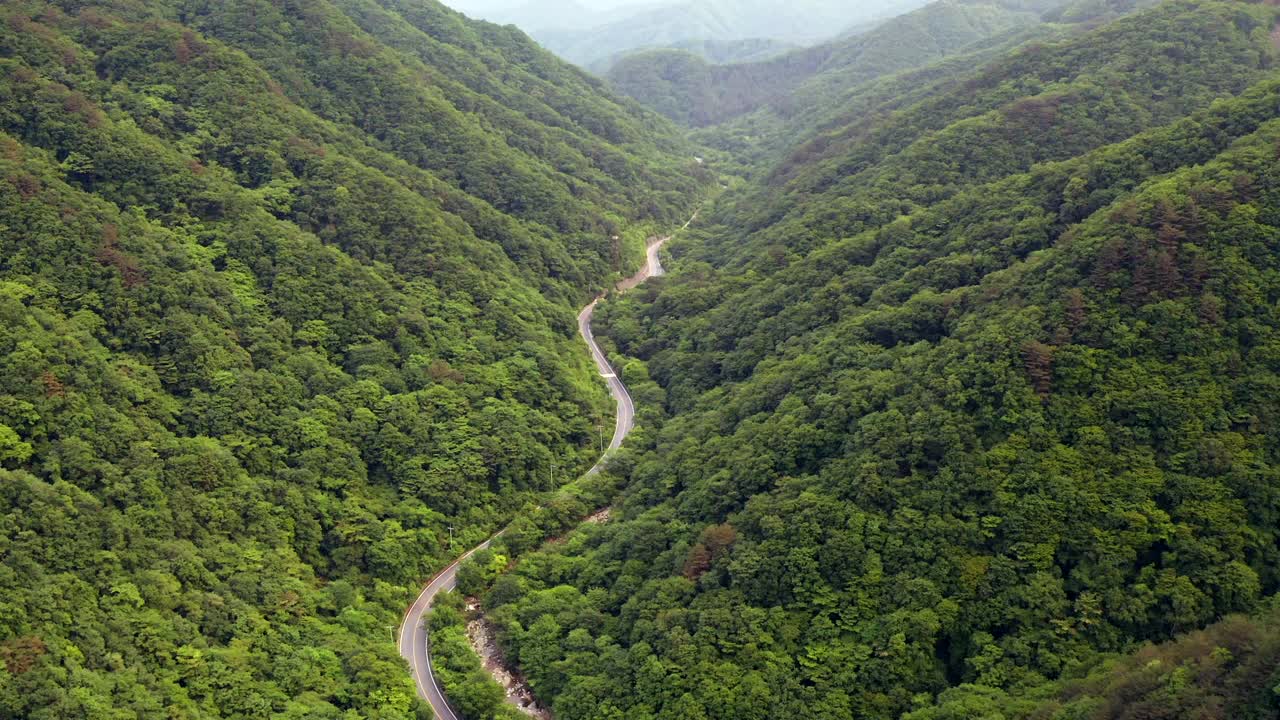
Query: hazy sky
{"x":610,"y":4}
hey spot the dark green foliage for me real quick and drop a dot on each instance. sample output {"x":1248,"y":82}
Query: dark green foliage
{"x":286,"y":290}
{"x":1228,"y":670}
{"x":960,"y":401}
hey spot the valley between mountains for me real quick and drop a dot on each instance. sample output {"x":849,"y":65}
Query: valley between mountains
{"x":413,"y":636}
{"x":957,"y":400}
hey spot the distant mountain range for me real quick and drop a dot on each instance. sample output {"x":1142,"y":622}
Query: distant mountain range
{"x":713,"y":52}
{"x":709,"y":28}
{"x":538,"y":15}
{"x":695,"y":91}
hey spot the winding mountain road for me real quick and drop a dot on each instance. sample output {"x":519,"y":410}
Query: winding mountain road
{"x":413,"y":633}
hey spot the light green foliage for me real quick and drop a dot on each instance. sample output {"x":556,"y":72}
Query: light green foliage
{"x":12,"y":449}
{"x":478,"y":571}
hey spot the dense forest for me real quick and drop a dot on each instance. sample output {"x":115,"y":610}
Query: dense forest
{"x":959,"y":400}
{"x":287,"y":298}
{"x":962,"y":410}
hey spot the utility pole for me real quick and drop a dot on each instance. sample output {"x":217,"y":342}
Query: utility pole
{"x":600,"y":431}
{"x":451,"y":538}
{"x":553,"y":472}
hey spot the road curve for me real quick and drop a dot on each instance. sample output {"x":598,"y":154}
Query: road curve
{"x":626,"y":413}
{"x":412,"y":638}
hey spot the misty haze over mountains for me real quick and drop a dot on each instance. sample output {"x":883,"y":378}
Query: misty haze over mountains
{"x":594,"y":33}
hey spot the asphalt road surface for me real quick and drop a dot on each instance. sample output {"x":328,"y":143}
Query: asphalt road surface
{"x":413,"y":633}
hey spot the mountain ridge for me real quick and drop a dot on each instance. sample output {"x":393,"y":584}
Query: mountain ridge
{"x":287,"y":297}
{"x":956,"y":411}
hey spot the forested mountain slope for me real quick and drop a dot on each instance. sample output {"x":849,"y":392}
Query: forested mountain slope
{"x":891,"y":69}
{"x":1229,"y":670}
{"x":968,"y":397}
{"x":287,"y":296}
{"x":689,"y":89}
